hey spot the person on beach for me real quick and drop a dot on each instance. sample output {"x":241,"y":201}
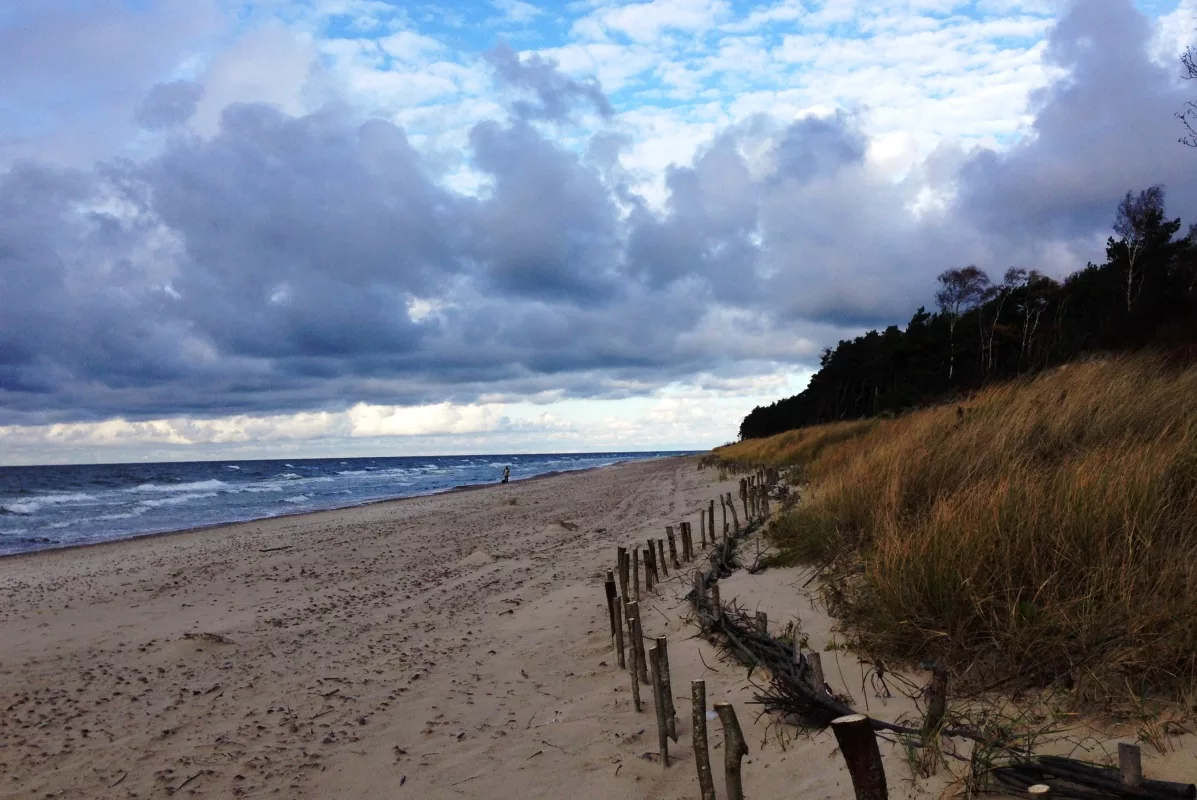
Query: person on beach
{"x":506,"y":473}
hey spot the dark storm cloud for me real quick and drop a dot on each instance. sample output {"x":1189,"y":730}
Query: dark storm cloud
{"x":294,"y":263}
{"x":556,"y":95}
{"x":169,"y":104}
{"x":1109,"y":127}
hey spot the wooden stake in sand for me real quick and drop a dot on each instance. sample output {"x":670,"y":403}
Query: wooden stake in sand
{"x":673,"y":545}
{"x":634,"y":657}
{"x":1130,"y":764}
{"x":654,"y":665}
{"x":816,"y":672}
{"x":732,"y":506}
{"x":610,"y":587}
{"x":638,"y":643}
{"x":623,"y":664}
{"x":661,"y":553}
{"x":652,"y":552}
{"x":688,"y":539}
{"x":723,"y":511}
{"x":734,"y":749}
{"x":650,"y":568}
{"x":762,"y":623}
{"x":636,"y":571}
{"x":667,"y":687}
{"x":711,"y":521}
{"x":621,"y":556}
{"x":858,"y":743}
{"x":702,"y":758}
{"x":702,"y":527}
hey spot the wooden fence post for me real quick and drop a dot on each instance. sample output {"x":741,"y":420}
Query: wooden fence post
{"x":638,"y":643}
{"x":636,"y":571}
{"x":609,"y":585}
{"x":816,"y":672}
{"x":702,"y":758}
{"x":633,"y":660}
{"x":654,"y":665}
{"x":623,"y":664}
{"x":734,"y":749}
{"x":667,"y":687}
{"x":1130,"y":764}
{"x":661,"y":553}
{"x":673,"y":545}
{"x":762,"y":623}
{"x":858,"y":743}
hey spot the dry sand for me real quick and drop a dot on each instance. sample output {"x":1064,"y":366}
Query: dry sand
{"x":449,"y":646}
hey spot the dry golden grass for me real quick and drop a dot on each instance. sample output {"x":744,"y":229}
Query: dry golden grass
{"x":1051,"y":534}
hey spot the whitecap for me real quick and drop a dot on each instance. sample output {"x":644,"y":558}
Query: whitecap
{"x":231,"y":466}
{"x":300,"y":498}
{"x":177,"y":500}
{"x":194,"y":486}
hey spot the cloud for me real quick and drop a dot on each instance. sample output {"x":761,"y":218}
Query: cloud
{"x":555,"y":94}
{"x":169,"y":104}
{"x":291,"y":250}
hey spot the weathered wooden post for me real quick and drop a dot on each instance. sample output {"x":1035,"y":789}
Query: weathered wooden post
{"x":723,"y":512}
{"x":673,"y":545}
{"x":638,"y":643}
{"x":667,"y":687}
{"x":623,"y":664}
{"x":636,"y":571}
{"x":609,"y":585}
{"x":762,"y":623}
{"x":744,"y":491}
{"x":654,"y":665}
{"x":651,"y":563}
{"x":621,"y":555}
{"x":818,"y":682}
{"x":734,"y":749}
{"x":702,"y":757}
{"x":711,"y":522}
{"x":634,"y":657}
{"x":732,"y":507}
{"x":661,"y":553}
{"x":702,"y":527}
{"x":1130,"y":764}
{"x":858,"y":743}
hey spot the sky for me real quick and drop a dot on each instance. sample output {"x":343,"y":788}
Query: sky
{"x":291,"y":228}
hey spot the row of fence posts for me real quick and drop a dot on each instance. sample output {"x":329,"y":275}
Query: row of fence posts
{"x":623,"y":589}
{"x":854,"y":733}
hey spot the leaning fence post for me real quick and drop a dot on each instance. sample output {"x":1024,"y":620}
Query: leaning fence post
{"x":636,"y":571}
{"x":734,"y":749}
{"x":661,"y":554}
{"x":702,"y":758}
{"x":621,"y":556}
{"x":673,"y":546}
{"x":654,"y":664}
{"x":858,"y":743}
{"x":1130,"y":764}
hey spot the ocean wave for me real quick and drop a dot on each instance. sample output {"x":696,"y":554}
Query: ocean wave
{"x":194,"y":486}
{"x":178,"y":499}
{"x":231,"y":466}
{"x":26,"y":508}
{"x":288,"y":476}
{"x":299,"y":498}
{"x":136,"y":512}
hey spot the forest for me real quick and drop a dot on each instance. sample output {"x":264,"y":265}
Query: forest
{"x":985,"y":329}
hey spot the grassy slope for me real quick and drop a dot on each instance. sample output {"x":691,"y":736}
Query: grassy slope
{"x":1051,"y":534}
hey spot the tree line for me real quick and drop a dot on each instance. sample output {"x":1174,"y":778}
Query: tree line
{"x":1145,"y":294}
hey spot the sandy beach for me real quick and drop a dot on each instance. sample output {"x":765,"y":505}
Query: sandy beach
{"x":447,"y":646}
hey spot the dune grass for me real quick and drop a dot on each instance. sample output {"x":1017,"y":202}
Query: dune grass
{"x":1048,"y":536}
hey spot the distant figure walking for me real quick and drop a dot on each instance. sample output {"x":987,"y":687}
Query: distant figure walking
{"x":506,"y":473}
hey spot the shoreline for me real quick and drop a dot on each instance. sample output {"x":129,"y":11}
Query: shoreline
{"x":472,"y":487}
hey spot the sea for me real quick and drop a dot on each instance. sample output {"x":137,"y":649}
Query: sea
{"x":46,"y":507}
